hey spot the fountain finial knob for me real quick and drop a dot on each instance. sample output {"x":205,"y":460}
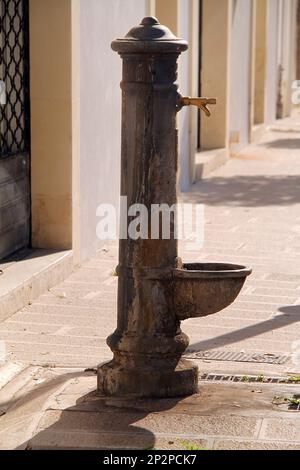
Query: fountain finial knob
{"x":150,"y":21}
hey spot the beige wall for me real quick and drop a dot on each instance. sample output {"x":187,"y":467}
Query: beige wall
{"x":151,"y":7}
{"x":51,"y":123}
{"x":167,"y":13}
{"x":215,"y":71}
{"x":260,"y":61}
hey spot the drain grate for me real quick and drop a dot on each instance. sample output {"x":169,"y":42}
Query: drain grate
{"x":232,"y":356}
{"x":247,"y":379}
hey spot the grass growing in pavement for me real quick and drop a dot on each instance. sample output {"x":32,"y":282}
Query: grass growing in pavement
{"x":293,"y":380}
{"x":245,"y":378}
{"x":294,"y":401}
{"x":259,"y":378}
{"x":189,"y":446}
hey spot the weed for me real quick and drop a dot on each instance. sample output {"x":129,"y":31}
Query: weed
{"x":189,"y":446}
{"x":294,"y":401}
{"x":246,"y":378}
{"x":293,"y":380}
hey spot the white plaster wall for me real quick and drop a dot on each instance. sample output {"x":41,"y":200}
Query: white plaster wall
{"x":288,"y":53}
{"x":184,"y":123}
{"x":240,"y":73}
{"x":101,"y":21}
{"x":272,"y":61}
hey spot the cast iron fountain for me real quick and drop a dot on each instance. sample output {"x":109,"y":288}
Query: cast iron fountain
{"x":156,"y":291}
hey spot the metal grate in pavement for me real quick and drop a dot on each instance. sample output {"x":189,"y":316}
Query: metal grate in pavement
{"x":248,"y":379}
{"x":232,"y":356}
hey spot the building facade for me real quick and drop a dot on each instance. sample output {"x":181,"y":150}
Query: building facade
{"x":243,"y":52}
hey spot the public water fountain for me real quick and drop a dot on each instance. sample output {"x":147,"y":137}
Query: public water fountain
{"x":156,"y":290}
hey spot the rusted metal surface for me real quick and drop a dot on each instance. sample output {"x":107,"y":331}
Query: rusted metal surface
{"x":155,"y":289}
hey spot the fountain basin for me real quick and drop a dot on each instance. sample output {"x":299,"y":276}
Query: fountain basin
{"x":201,"y":289}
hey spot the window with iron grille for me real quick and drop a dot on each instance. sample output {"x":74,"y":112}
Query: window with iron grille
{"x":14,"y":73}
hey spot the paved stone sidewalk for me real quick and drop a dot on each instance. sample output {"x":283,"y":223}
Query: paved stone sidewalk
{"x":252,"y":217}
{"x":58,"y":409}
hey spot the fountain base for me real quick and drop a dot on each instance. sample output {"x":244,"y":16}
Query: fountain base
{"x":141,"y":382}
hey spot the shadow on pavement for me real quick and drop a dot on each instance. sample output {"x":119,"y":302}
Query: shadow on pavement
{"x":247,"y":191}
{"x":291,"y":315}
{"x":101,"y":423}
{"x":288,"y":144}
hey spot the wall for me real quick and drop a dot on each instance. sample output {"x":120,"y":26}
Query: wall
{"x":184,"y":117}
{"x":260,"y":60}
{"x":167,"y":13}
{"x":100,"y":108}
{"x":177,"y":16}
{"x":215,"y":71}
{"x":240,"y":72}
{"x":51,"y":123}
{"x":298,"y":41}
{"x":272,"y":61}
{"x":288,"y":54}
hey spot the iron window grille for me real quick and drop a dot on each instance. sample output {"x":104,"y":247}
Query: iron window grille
{"x":14,"y":72}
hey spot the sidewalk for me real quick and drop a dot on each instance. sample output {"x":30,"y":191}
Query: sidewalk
{"x":252,"y":218}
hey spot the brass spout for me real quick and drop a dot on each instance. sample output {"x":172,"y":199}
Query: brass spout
{"x":201,"y":103}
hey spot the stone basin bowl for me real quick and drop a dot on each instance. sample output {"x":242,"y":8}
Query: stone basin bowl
{"x":202,"y":289}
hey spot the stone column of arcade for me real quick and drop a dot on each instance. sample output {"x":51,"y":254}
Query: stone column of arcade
{"x":156,"y":291}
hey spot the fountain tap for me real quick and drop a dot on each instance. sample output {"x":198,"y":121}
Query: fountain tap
{"x":201,"y":103}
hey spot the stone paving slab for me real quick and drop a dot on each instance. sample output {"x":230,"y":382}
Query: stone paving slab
{"x":59,"y":409}
{"x":255,"y":445}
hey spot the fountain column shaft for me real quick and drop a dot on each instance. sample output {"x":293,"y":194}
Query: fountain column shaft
{"x":149,"y":150}
{"x":148,"y":343}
